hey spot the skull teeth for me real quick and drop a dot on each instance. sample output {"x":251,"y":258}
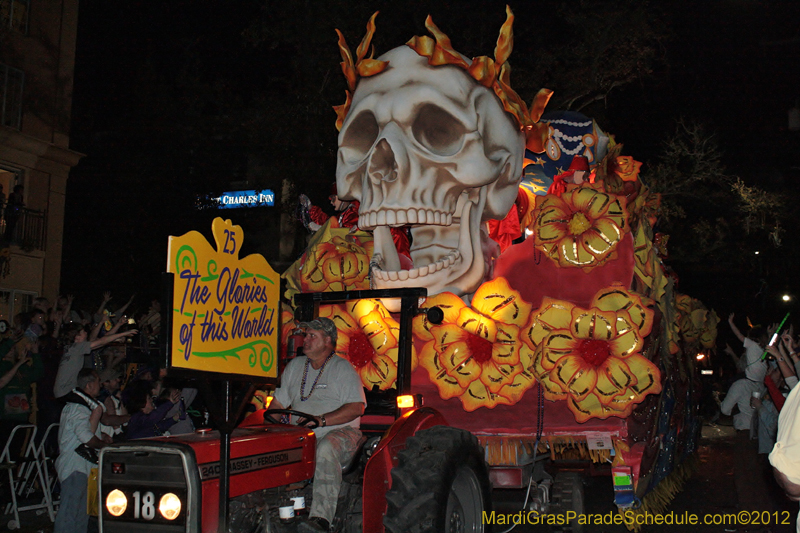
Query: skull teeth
{"x":402,"y":217}
{"x":402,"y":275}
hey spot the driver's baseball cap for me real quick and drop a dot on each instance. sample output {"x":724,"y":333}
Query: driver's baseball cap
{"x":325,"y":325}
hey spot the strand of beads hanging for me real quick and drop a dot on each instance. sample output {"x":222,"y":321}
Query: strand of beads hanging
{"x":303,"y":396}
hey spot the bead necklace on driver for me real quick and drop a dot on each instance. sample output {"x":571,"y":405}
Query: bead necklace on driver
{"x":303,"y":396}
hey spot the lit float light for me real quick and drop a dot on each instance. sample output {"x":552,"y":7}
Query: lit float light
{"x":701,"y":356}
{"x":786,"y":298}
{"x":756,"y":252}
{"x":707,"y":372}
{"x":409,"y":401}
{"x":406,"y":401}
{"x":116,"y":502}
{"x":169,"y":506}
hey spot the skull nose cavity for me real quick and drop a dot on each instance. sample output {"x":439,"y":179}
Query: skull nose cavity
{"x":383,"y":164}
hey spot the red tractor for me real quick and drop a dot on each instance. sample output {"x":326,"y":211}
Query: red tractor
{"x":412,"y":473}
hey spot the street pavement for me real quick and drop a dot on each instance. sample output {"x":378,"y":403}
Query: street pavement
{"x":731,"y":479}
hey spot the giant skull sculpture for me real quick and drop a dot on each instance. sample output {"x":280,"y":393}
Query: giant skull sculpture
{"x":430,"y":148}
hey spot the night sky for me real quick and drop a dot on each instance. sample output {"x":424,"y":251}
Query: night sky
{"x":183,"y":97}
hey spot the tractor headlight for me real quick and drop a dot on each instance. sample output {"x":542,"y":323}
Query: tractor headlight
{"x":116,"y":502}
{"x":169,"y":506}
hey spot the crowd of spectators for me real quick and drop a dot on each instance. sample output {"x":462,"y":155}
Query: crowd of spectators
{"x":767,"y":373}
{"x":764,"y":401}
{"x":95,"y":374}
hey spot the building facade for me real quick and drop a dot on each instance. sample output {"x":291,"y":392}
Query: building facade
{"x":37,"y":58}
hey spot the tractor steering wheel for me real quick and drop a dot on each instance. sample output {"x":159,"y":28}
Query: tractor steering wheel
{"x":304,"y":419}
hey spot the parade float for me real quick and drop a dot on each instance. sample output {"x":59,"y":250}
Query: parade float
{"x":564,"y":334}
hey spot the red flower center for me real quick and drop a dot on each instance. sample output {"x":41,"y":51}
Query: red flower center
{"x":479,"y":348}
{"x":594,"y":351}
{"x":361,"y":351}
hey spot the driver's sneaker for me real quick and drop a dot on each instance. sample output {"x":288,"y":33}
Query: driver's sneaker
{"x":314,"y":524}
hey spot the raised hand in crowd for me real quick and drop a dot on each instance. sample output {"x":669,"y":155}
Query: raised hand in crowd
{"x":734,"y":329}
{"x":99,"y":312}
{"x":121,"y":310}
{"x":8,"y":376}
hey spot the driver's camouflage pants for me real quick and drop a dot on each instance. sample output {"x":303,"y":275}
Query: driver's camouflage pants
{"x":334,"y":450}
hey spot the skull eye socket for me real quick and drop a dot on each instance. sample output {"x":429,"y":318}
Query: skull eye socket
{"x":360,"y":135}
{"x":438,"y":131}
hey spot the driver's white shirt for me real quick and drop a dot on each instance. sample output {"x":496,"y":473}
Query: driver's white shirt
{"x":338,"y":385}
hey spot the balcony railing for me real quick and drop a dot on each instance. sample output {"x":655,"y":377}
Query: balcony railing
{"x":27,"y":228}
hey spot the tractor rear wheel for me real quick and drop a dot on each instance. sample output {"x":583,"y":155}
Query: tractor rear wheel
{"x":568,"y":496}
{"x":440,"y":485}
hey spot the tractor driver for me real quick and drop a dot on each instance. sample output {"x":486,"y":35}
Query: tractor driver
{"x":328,"y":387}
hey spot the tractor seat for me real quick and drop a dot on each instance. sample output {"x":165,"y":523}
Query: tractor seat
{"x":350,"y":465}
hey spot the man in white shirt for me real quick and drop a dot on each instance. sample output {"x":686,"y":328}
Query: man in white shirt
{"x":742,"y":390}
{"x":326,"y":386}
{"x":80,"y":419}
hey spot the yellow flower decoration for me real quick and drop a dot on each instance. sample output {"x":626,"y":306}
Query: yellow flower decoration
{"x":336,"y":265}
{"x":287,"y":326}
{"x":591,"y":357}
{"x":260,"y":399}
{"x":475,"y":354}
{"x":368,"y":338}
{"x":627,"y":168}
{"x":697,"y":324}
{"x":644,"y":255}
{"x":645,"y":206}
{"x":580,"y":228}
{"x":450,"y":304}
{"x":708,"y":338}
{"x":690,"y":317}
{"x":615,"y":298}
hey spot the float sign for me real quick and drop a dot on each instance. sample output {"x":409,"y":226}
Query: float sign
{"x":225,"y":310}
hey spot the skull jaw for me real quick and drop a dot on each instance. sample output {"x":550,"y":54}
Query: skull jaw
{"x":453,"y":256}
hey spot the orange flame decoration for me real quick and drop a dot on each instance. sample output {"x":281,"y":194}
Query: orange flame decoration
{"x":363,"y":66}
{"x":491,"y":73}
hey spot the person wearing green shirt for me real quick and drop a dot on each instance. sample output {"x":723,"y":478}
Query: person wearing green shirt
{"x":20,"y":367}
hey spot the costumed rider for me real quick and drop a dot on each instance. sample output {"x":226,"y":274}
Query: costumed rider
{"x":576,"y":174}
{"x":313,"y":218}
{"x":511,"y":229}
{"x":326,"y":386}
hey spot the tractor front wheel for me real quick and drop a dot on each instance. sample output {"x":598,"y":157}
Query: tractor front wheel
{"x":441,"y":484}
